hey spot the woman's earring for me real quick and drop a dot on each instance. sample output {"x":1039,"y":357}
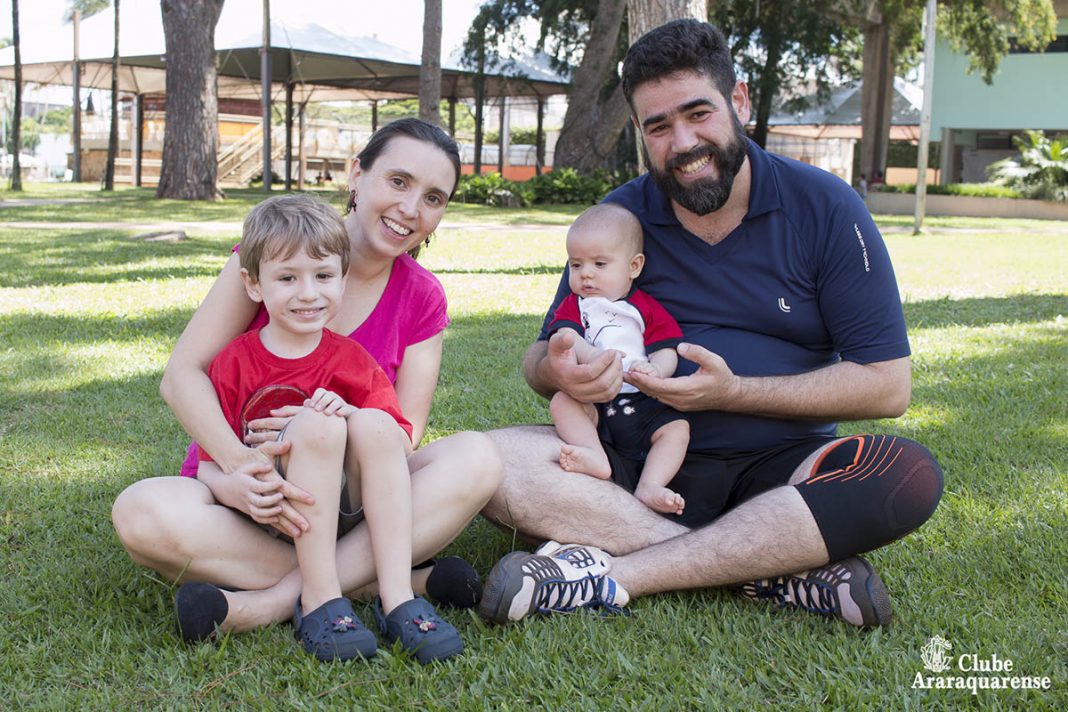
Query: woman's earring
{"x":352,"y":200}
{"x":427,"y":241}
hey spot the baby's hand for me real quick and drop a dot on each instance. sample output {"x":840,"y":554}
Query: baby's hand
{"x":329,"y":403}
{"x":646,"y":367}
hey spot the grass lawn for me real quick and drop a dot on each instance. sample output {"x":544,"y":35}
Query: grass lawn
{"x":88,"y":317}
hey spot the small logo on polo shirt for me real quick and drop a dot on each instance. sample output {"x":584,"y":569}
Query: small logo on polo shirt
{"x":783,"y":305}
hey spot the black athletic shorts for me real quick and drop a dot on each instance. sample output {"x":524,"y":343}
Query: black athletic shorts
{"x":714,"y":482}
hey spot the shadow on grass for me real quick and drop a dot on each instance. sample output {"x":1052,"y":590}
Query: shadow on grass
{"x":103,"y":256}
{"x":984,"y":311}
{"x":40,"y":333}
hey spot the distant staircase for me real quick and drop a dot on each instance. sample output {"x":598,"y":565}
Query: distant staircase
{"x":242,"y":160}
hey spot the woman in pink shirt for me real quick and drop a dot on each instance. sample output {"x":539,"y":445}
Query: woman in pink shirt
{"x":208,"y":531}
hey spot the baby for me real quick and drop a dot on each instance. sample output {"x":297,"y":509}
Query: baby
{"x":604,"y":311}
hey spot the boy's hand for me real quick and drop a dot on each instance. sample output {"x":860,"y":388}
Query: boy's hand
{"x":265,"y":430}
{"x":329,"y":403}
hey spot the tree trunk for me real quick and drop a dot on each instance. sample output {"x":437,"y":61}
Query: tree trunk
{"x":190,"y":141}
{"x":644,"y":15}
{"x":767,"y":87}
{"x":430,"y":68}
{"x":16,"y":119}
{"x":113,"y":133}
{"x":593,"y":121}
{"x":876,"y":94}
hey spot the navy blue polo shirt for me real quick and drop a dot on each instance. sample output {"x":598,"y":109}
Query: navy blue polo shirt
{"x":803,"y":282}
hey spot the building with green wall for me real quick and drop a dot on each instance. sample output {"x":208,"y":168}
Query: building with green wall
{"x":975,"y":122}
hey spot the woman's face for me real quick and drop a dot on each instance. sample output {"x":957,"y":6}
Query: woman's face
{"x":401,"y":198}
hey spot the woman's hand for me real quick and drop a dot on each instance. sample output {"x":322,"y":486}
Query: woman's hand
{"x":265,"y":430}
{"x":256,"y":489}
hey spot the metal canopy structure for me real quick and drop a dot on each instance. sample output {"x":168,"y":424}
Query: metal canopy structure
{"x":315,"y":61}
{"x":308,"y":62}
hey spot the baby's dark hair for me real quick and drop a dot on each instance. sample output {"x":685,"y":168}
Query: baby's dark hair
{"x":281,"y":225}
{"x":679,"y":46}
{"x":614,"y":219}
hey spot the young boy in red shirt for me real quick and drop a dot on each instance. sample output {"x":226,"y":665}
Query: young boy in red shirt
{"x":354,"y":439}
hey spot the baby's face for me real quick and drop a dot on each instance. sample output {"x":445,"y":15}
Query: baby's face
{"x":600,"y":264}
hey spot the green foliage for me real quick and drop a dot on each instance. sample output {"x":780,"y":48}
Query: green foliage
{"x":29,"y":136}
{"x":974,"y":190}
{"x":1041,"y":169}
{"x":782,"y":48}
{"x":491,"y":189}
{"x":564,"y":186}
{"x":88,"y":8}
{"x":981,"y":28}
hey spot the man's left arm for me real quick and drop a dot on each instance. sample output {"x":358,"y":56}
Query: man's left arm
{"x":860,"y":305}
{"x":841,"y":391}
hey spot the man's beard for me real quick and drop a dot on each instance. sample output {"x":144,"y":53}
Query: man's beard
{"x":708,"y":194}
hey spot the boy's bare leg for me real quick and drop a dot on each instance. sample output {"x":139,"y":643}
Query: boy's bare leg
{"x":314,"y":465}
{"x":665,"y":456}
{"x":377,"y":452}
{"x":174,"y":526}
{"x":576,"y":424}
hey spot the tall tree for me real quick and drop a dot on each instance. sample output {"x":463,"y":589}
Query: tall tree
{"x":430,"y":68}
{"x":644,"y":15}
{"x":190,"y":141}
{"x":113,"y":134}
{"x":586,"y":40}
{"x":784,"y":48}
{"x":16,"y":119}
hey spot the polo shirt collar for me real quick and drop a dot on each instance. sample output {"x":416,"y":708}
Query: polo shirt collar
{"x":764,"y":194}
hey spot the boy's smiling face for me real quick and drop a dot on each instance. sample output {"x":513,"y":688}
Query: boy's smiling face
{"x":302,"y":293}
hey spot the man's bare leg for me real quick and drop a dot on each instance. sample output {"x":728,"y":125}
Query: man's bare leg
{"x":541,"y":501}
{"x":768,"y":535}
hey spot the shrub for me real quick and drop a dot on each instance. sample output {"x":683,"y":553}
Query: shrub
{"x":567,"y":185}
{"x":492,"y":189}
{"x":1041,"y":169}
{"x":975,"y":190}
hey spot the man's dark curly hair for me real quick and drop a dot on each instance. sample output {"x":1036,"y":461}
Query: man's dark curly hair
{"x":679,"y":46}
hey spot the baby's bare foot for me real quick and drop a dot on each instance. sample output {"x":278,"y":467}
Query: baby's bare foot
{"x":660,"y":499}
{"x":585,"y":460}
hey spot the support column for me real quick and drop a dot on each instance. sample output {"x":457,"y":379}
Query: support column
{"x":139,"y":137}
{"x":503,"y":137}
{"x":539,"y":138}
{"x":265,"y":76}
{"x":289,"y":136}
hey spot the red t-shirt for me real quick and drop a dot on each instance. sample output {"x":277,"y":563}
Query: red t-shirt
{"x":337,"y":364}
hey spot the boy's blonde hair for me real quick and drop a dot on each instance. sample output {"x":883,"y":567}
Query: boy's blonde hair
{"x":613,"y":219}
{"x":279,"y":226}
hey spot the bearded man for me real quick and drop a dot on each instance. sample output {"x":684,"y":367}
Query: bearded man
{"x":791,"y":321}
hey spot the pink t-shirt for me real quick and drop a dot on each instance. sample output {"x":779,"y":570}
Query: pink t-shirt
{"x":411,"y":309}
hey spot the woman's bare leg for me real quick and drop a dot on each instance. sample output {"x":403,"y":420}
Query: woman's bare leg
{"x":175,"y":526}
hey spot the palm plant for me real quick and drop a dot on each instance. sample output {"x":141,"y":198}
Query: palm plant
{"x":1041,"y":169}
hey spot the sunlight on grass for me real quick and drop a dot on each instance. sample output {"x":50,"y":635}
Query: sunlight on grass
{"x":87,"y":321}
